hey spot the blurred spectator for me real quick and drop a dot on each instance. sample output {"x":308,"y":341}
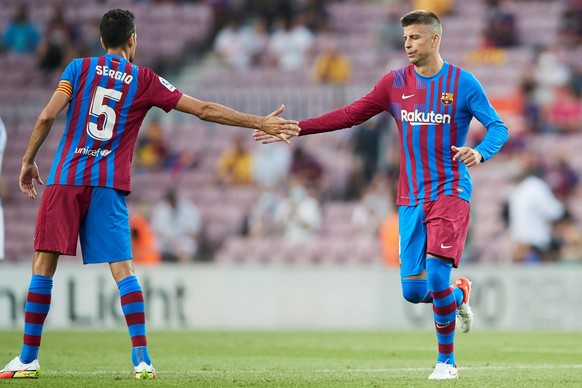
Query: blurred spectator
{"x":152,"y":152}
{"x":571,"y":56}
{"x":331,"y":66}
{"x":262,"y":219}
{"x":299,"y":215}
{"x":486,"y":55}
{"x":260,"y":41}
{"x":531,"y":108}
{"x":238,"y":46}
{"x":271,"y":164}
{"x":389,"y":240}
{"x":372,"y":209}
{"x":314,"y":12}
{"x":21,"y":36}
{"x":500,"y":26}
{"x":291,"y":45}
{"x":549,"y":73}
{"x":570,"y":19}
{"x":143,"y":239}
{"x":89,"y":40}
{"x":3,"y":139}
{"x":56,"y":47}
{"x":439,"y":7}
{"x":389,"y":36}
{"x":532,"y":210}
{"x":366,"y":145}
{"x":568,"y":240}
{"x":562,"y":178}
{"x":235,"y":164}
{"x":564,"y":113}
{"x":270,"y":11}
{"x":180,"y":162}
{"x":306,"y":168}
{"x":177,"y":224}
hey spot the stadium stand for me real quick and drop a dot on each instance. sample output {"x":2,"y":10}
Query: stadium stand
{"x":170,"y":33}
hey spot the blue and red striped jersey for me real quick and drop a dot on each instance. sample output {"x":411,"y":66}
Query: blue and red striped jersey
{"x":432,"y":114}
{"x":110,"y":97}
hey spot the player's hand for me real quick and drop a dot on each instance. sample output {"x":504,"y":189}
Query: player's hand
{"x":467,"y":155}
{"x":282,"y":129}
{"x":265,"y":138}
{"x":28,"y":173}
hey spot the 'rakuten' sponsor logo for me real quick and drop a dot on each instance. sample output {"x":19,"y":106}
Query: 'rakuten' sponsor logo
{"x":424,"y":118}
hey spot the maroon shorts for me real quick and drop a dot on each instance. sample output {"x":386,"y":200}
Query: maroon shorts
{"x":437,"y":227}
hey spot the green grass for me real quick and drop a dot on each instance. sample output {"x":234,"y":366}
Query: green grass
{"x":303,"y":359}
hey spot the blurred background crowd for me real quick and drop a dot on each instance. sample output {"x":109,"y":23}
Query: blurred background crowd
{"x":207,"y":193}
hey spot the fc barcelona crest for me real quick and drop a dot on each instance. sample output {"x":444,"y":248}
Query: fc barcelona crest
{"x":447,"y":98}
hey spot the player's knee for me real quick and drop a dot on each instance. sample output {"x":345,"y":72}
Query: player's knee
{"x":438,"y":274}
{"x":414,"y":291}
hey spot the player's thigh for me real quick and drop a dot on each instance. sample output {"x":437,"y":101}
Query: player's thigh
{"x":105,"y":233}
{"x":447,"y":222}
{"x":59,"y":216}
{"x":412,"y":240}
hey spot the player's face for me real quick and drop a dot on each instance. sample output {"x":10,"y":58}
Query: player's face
{"x":419,"y":43}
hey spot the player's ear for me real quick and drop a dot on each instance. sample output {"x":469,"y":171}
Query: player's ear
{"x":102,"y":44}
{"x":436,"y":40}
{"x":131,"y":41}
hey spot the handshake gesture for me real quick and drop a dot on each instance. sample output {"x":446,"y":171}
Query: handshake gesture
{"x":274,"y":128}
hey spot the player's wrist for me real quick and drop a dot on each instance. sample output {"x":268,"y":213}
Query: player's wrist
{"x":478,"y":156}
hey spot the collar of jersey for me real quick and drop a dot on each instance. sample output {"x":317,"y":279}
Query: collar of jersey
{"x":445,"y":66}
{"x":116,"y":56}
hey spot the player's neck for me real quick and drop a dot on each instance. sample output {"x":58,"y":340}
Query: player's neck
{"x":431,"y":67}
{"x":118,"y":51}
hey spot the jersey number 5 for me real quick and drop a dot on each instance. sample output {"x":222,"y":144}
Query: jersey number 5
{"x":99,"y":107}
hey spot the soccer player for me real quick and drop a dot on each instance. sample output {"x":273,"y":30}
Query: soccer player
{"x":108,"y":97}
{"x":433,"y":103}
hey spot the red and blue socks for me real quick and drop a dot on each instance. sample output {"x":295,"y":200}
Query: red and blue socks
{"x":38,"y":303}
{"x":445,"y":301}
{"x":133,"y":306}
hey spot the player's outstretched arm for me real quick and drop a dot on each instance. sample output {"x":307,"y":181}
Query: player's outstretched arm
{"x":29,"y":171}
{"x":271,"y":124}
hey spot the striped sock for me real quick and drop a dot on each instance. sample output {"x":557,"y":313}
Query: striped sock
{"x":38,"y":303}
{"x":132,"y":304}
{"x":444,"y":307}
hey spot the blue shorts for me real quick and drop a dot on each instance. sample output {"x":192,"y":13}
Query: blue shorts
{"x":97,"y":216}
{"x":437,"y":227}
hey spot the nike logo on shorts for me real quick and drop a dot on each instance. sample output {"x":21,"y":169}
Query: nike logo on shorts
{"x":443,"y":246}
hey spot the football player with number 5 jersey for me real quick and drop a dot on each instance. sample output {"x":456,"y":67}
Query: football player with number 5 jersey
{"x":107,"y":98}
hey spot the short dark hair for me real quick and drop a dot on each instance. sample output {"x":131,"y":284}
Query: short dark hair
{"x":116,"y":27}
{"x":421,"y":16}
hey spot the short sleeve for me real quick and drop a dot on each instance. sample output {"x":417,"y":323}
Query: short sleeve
{"x":159,"y":91}
{"x":67,"y":79}
{"x":71,"y":71}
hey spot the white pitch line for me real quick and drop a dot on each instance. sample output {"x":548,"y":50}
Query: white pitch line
{"x":499,"y":367}
{"x":253,"y":371}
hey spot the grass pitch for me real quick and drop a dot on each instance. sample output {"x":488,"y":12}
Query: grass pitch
{"x":303,"y":359}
